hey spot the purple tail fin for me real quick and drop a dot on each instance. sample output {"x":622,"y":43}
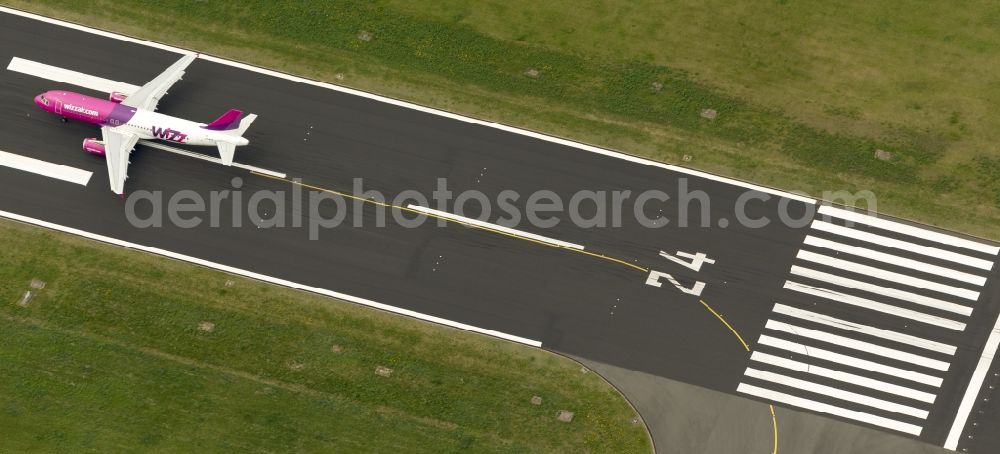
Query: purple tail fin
{"x":228,"y":120}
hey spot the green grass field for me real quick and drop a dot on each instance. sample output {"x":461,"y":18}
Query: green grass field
{"x":111,"y":356}
{"x":805,"y":91}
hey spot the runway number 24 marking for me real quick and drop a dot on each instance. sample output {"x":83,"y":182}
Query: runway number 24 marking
{"x":696,"y":261}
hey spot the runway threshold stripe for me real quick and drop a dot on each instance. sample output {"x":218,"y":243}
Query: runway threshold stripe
{"x":875,"y":306}
{"x":865,"y":329}
{"x":851,"y":361}
{"x":861,"y":346}
{"x":835,"y":393}
{"x":890,"y":276}
{"x":896,"y":260}
{"x":907,"y":229}
{"x":57,"y":74}
{"x":880,"y":240}
{"x":48,"y":169}
{"x":879,"y":290}
{"x":820,"y":407}
{"x":499,"y":228}
{"x":845,"y":377}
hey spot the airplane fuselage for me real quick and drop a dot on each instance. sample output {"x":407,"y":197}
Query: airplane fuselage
{"x":145,"y":124}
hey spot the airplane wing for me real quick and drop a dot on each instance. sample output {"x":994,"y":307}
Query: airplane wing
{"x":118,"y":145}
{"x":150,"y":94}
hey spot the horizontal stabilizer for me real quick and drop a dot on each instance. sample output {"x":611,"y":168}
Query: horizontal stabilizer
{"x":226,"y":152}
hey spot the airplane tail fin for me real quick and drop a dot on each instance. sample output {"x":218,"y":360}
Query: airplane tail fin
{"x":244,"y":125}
{"x":227,"y":149}
{"x":227,"y":121}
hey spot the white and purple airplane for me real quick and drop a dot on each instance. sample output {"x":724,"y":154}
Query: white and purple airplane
{"x":128,"y":117}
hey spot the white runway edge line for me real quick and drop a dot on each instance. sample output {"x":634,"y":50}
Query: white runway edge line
{"x":396,"y":102}
{"x":879,"y":290}
{"x":48,"y":169}
{"x":67,"y":76}
{"x":851,"y":361}
{"x":499,"y":228}
{"x":845,"y":377}
{"x":875,"y":306}
{"x":896,"y":260}
{"x":907,"y":229}
{"x":820,"y":407}
{"x":880,"y":240}
{"x":884,"y":275}
{"x":861,"y":346}
{"x":835,"y":393}
{"x":272,"y":280}
{"x":975,"y":385}
{"x":865,"y":329}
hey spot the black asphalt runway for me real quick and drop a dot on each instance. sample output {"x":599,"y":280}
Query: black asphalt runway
{"x":574,"y":303}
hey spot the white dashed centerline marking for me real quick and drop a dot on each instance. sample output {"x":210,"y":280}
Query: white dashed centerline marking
{"x":48,"y":169}
{"x":499,"y":228}
{"x":67,"y":76}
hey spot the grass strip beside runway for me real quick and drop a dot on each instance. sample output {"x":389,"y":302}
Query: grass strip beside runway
{"x":122,"y":350}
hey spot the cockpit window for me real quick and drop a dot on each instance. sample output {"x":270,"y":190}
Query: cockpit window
{"x":44,"y":101}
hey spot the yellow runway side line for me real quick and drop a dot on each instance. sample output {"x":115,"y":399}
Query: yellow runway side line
{"x":774,"y":417}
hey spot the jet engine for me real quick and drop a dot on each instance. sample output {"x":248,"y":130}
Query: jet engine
{"x":93,"y":146}
{"x":116,"y":97}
